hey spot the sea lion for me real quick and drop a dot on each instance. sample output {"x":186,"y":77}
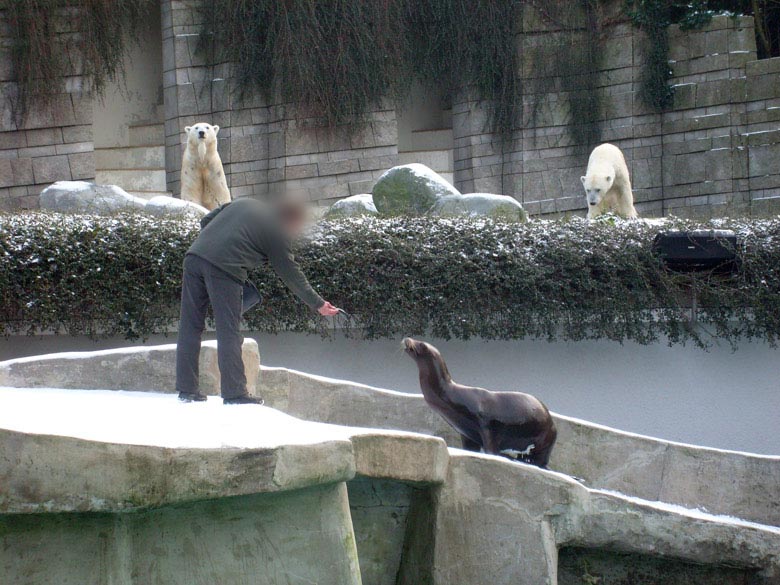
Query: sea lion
{"x":512,"y":424}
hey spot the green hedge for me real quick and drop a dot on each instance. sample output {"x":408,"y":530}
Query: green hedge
{"x":567,"y":280}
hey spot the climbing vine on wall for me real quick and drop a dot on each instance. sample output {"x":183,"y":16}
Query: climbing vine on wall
{"x":334,"y":59}
{"x":52,"y":40}
{"x":572,"y":61}
{"x":337,"y":60}
{"x":655,"y":16}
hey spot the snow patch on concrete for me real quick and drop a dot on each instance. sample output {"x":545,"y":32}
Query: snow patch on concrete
{"x":154,"y":419}
{"x":693,"y":513}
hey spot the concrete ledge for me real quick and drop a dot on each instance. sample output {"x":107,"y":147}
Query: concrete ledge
{"x":497,"y":509}
{"x":400,"y":456}
{"x":616,"y":522}
{"x":103,"y":451}
{"x":89,"y":452}
{"x":607,"y":458}
{"x":347,"y":403}
{"x":142,"y":368}
{"x":61,"y":474}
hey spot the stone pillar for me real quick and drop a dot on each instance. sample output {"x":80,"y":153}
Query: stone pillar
{"x":478,"y":153}
{"x":197,"y":92}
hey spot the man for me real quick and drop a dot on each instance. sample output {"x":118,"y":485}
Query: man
{"x":234,"y":239}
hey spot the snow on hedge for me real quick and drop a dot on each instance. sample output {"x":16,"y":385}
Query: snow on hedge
{"x":448,"y":277}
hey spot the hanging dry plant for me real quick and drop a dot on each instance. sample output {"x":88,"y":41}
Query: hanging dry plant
{"x":52,"y":40}
{"x":336,"y":60}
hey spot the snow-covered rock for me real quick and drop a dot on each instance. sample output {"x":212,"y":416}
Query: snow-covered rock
{"x":410,"y":190}
{"x":165,"y":206}
{"x":480,"y":205}
{"x":83,"y":197}
{"x":362,"y":204}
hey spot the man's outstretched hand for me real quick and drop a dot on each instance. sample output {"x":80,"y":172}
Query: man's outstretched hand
{"x":327,"y":310}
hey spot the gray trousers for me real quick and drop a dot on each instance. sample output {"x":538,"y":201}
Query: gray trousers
{"x":204,"y":283}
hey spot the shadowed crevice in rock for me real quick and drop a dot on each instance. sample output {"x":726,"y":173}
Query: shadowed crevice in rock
{"x":580,"y":566}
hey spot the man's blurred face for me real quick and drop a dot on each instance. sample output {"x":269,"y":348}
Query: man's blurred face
{"x":294,"y":227}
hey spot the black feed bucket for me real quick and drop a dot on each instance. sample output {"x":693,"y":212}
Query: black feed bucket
{"x":697,"y":250}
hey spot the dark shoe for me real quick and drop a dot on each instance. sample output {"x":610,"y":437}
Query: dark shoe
{"x":192,"y":397}
{"x":243,"y":400}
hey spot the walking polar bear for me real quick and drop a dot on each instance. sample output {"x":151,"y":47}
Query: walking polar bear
{"x":202,"y":176}
{"x":607,"y":184}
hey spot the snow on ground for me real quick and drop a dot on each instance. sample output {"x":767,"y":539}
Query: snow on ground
{"x":694,"y":513}
{"x":146,"y":418}
{"x":74,"y":355}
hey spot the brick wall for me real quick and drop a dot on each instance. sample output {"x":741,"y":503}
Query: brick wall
{"x":51,"y":144}
{"x":262,"y":145}
{"x":716,"y":152}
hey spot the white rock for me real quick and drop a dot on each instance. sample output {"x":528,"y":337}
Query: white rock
{"x":362,"y":204}
{"x":165,"y":206}
{"x":480,"y":205}
{"x":83,"y":197}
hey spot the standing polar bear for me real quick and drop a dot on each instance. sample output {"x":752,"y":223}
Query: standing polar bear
{"x":606,"y":182}
{"x":202,"y":177}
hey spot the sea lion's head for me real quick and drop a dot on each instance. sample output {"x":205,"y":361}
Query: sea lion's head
{"x":421,"y":351}
{"x":427,"y":358}
{"x":417,"y":349}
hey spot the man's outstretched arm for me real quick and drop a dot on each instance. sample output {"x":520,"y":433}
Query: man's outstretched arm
{"x":283,"y":262}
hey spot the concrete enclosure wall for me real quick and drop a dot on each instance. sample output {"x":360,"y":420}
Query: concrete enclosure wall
{"x":249,"y":493}
{"x":641,"y":466}
{"x":605,"y":458}
{"x":264,"y":539}
{"x":714,"y":152}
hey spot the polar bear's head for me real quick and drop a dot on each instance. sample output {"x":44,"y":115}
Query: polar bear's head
{"x":596,"y":186}
{"x":201,"y":133}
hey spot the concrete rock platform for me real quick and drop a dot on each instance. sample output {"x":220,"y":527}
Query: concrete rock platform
{"x":107,"y":486}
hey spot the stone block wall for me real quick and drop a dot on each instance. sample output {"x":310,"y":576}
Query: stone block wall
{"x":713,"y":153}
{"x":50,"y":144}
{"x":264,"y":146}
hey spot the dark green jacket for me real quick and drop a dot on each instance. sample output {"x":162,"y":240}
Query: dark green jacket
{"x":243,"y":234}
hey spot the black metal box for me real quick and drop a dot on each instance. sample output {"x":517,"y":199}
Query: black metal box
{"x":692,"y":251}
